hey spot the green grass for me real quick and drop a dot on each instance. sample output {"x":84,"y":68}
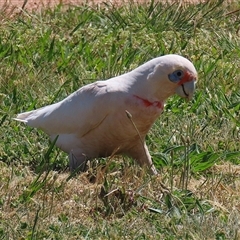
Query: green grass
{"x":196,"y":145}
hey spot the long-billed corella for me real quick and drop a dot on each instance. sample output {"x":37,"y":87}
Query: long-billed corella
{"x":94,"y":120}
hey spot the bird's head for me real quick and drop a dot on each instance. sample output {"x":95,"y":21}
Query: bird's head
{"x":174,"y":74}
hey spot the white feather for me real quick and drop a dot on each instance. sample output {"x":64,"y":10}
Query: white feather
{"x":92,"y":121}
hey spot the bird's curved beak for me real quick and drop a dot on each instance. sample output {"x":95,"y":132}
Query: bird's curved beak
{"x":186,"y":90}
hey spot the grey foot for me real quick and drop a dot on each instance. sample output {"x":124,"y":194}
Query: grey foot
{"x":77,"y":161}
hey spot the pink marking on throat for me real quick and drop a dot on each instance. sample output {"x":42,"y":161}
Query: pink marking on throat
{"x":147,"y":103}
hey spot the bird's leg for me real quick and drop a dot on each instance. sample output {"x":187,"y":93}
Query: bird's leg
{"x":141,"y":154}
{"x":77,"y":160}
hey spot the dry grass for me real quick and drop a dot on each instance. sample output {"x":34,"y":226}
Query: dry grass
{"x":79,"y":203}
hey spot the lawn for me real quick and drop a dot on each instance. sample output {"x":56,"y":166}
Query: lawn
{"x":195,"y":145}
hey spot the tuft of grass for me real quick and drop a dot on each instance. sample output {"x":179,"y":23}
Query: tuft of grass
{"x":195,"y":146}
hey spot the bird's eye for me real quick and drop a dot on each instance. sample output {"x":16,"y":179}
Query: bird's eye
{"x":179,"y":73}
{"x":175,"y":76}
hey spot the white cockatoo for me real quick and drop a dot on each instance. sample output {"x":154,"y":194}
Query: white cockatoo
{"x":94,"y":121}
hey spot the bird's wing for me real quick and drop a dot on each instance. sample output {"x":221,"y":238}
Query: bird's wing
{"x":79,"y":113}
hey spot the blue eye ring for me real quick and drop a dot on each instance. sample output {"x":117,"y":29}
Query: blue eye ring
{"x":176,"y":76}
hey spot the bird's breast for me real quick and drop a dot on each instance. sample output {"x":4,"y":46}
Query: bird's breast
{"x":141,"y":101}
{"x":143,"y":112}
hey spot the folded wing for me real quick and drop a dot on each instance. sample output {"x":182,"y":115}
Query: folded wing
{"x":79,"y":113}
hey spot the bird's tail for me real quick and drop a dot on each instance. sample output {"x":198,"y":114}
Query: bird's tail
{"x":23,"y":117}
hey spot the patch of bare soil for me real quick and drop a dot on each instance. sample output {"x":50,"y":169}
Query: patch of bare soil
{"x":35,"y":5}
